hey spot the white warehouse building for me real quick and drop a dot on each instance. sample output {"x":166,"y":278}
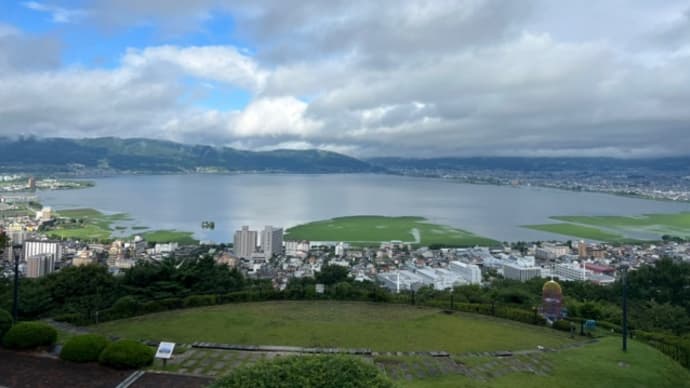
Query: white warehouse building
{"x":469,"y":272}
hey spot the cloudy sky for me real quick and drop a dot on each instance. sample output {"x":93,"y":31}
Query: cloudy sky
{"x":367,"y":78}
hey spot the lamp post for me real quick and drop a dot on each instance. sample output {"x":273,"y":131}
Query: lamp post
{"x":624,"y":275}
{"x":15,"y":294}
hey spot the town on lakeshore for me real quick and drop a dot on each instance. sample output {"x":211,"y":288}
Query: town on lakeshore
{"x":272,"y":254}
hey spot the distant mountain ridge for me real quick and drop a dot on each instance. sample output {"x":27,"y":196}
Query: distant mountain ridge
{"x":532,"y":164}
{"x":110,"y":154}
{"x":138,"y":155}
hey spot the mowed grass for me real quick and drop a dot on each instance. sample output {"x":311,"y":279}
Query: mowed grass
{"x":362,"y":230}
{"x":380,"y":327}
{"x":601,"y":364}
{"x":580,"y":231}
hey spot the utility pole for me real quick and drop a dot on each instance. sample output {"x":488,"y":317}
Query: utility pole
{"x":625,"y":308}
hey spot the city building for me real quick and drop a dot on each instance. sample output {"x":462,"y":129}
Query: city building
{"x":39,"y":247}
{"x":520,"y":272}
{"x":570,"y":271}
{"x":40,"y":265}
{"x":272,"y":241}
{"x":244,"y":242}
{"x":550,"y":251}
{"x":469,"y":272}
{"x":166,"y":248}
{"x":297,"y":248}
{"x":44,"y":214}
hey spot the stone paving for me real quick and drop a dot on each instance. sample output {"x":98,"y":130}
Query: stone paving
{"x":408,"y":366}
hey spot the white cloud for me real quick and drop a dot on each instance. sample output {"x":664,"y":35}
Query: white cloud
{"x":275,"y":116}
{"x":418,"y":78}
{"x":57,"y":14}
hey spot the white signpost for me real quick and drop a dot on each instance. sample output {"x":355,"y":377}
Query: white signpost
{"x":165,"y":351}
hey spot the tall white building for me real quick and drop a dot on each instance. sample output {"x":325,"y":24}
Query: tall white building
{"x":470,"y":272}
{"x":519,"y":272}
{"x":244,"y":242}
{"x":271,"y":241}
{"x":570,"y":271}
{"x":36,"y":247}
{"x":40,"y":265}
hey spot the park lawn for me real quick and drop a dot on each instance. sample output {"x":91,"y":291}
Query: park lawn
{"x":363,"y":230}
{"x":594,"y":365}
{"x":580,"y":231}
{"x":166,"y":236}
{"x":380,"y":327}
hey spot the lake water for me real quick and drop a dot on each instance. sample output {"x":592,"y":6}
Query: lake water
{"x":183,"y":201}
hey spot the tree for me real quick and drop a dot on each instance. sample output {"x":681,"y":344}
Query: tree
{"x":653,"y":316}
{"x":84,"y":289}
{"x":331,"y":274}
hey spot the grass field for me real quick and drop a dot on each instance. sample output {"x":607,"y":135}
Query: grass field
{"x":336,"y":324}
{"x":93,"y":225}
{"x":602,"y":364}
{"x":618,"y":228}
{"x":382,"y":327}
{"x":164,"y":236}
{"x":580,"y":231}
{"x":90,"y":224}
{"x":372,"y":230}
{"x":672,"y":224}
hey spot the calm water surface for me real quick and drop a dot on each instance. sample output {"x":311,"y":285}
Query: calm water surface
{"x":183,"y":201}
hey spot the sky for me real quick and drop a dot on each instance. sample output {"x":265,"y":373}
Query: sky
{"x":409,"y":78}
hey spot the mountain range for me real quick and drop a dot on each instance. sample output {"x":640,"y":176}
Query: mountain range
{"x":115,"y":155}
{"x":109,"y":154}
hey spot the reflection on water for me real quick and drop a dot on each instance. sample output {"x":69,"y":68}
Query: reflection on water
{"x":184,"y":201}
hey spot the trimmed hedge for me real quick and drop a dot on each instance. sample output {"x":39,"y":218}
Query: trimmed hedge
{"x":127,"y":354}
{"x":29,"y":335}
{"x":562,"y":325}
{"x":84,"y":348}
{"x":307,"y":371}
{"x":5,"y":322}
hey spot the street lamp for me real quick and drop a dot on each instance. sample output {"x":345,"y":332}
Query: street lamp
{"x":15,"y":295}
{"x":624,"y":275}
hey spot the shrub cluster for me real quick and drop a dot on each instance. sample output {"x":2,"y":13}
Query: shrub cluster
{"x":307,"y":371}
{"x":29,"y":335}
{"x":562,"y":325}
{"x":127,"y":354}
{"x":83,"y":348}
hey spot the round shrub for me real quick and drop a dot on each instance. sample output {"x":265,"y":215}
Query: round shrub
{"x":5,"y":322}
{"x":307,"y":371}
{"x":29,"y":335}
{"x":83,"y":348}
{"x":127,"y":354}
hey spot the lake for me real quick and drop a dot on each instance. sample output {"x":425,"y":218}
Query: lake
{"x":183,"y":201}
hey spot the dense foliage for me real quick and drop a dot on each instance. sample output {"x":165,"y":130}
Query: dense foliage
{"x":308,"y":372}
{"x":127,"y":354}
{"x":659,"y":296}
{"x":5,"y":322}
{"x":29,"y":335}
{"x":84,"y":348}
